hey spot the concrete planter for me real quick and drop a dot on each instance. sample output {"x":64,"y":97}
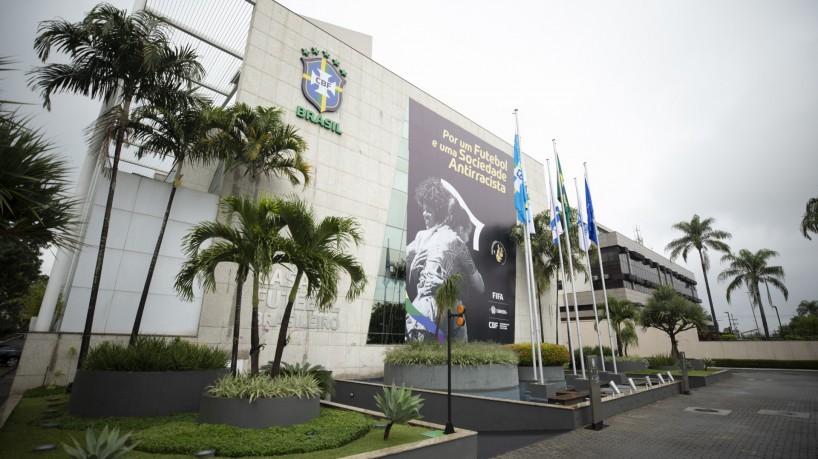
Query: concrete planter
{"x":261,"y":413}
{"x":623,"y":367}
{"x":555,"y":373}
{"x":97,"y":394}
{"x":434,"y":377}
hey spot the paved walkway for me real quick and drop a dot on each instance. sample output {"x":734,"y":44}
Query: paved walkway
{"x":757,"y":413}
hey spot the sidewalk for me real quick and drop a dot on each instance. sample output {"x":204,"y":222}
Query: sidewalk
{"x":757,"y":413}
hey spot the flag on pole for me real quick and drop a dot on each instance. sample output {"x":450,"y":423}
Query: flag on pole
{"x":592,"y":234}
{"x":556,"y":218}
{"x":562,"y":196}
{"x":584,"y":241}
{"x":520,"y":190}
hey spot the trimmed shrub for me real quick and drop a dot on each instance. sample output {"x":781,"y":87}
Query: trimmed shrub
{"x":627,"y":358}
{"x":662,"y":360}
{"x":553,"y":355}
{"x":155,"y":354}
{"x":592,"y":350}
{"x":332,"y":429}
{"x":463,"y":354}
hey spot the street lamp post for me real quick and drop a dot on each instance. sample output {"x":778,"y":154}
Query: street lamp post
{"x":461,"y":311}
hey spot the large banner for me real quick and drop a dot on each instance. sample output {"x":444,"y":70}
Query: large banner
{"x":460,"y":210}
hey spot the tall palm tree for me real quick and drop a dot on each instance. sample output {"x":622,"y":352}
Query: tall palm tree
{"x":122,"y":60}
{"x":258,"y":142}
{"x":623,"y":315}
{"x":751,"y":269}
{"x":175,"y":132}
{"x":809,"y":222}
{"x":700,"y":235}
{"x":317,"y":251}
{"x":250,"y":243}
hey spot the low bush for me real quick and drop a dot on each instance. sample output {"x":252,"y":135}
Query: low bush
{"x":263,"y":386}
{"x":463,"y":354}
{"x":784,"y":364}
{"x":332,"y":429}
{"x":592,"y":350}
{"x":553,"y":355}
{"x":155,"y":354}
{"x":662,"y":360}
{"x":44,"y":391}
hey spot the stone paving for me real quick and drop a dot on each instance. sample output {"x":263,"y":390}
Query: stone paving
{"x":670,"y":428}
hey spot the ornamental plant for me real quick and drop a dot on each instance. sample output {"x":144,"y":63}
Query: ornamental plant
{"x":109,"y":445}
{"x":150,"y":353}
{"x":321,"y":374}
{"x":553,"y":355}
{"x":463,"y":354}
{"x":398,"y":406}
{"x":253,"y":387}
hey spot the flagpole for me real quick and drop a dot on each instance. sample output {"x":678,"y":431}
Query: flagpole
{"x":584,"y":246}
{"x":601,"y":272}
{"x":529,"y":267}
{"x":570,"y":257}
{"x":555,"y":217}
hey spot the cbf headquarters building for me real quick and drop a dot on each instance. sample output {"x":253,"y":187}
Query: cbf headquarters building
{"x":378,"y":145}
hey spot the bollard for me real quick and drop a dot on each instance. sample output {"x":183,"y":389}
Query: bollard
{"x":596,"y":395}
{"x":685,"y":380}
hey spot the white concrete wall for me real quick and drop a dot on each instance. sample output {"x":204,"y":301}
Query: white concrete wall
{"x":139,"y":205}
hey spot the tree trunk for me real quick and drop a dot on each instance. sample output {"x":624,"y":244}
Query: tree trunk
{"x":386,"y":431}
{"x":763,"y":316}
{"x":285,"y":321}
{"x":234,"y":356}
{"x":674,"y":347}
{"x":618,"y":341}
{"x":141,"y":308}
{"x":254,"y":338}
{"x":103,"y":239}
{"x":709,"y":296}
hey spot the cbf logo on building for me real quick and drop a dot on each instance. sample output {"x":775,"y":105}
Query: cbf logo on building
{"x":322,"y":83}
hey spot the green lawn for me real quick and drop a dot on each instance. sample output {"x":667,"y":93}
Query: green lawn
{"x":22,"y":432}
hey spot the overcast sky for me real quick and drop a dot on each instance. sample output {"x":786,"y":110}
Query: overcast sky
{"x":678,"y":107}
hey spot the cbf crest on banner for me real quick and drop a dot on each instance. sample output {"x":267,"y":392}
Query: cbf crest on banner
{"x":321,"y":81}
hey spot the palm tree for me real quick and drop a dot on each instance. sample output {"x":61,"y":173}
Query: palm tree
{"x":175,"y":132}
{"x":34,"y":205}
{"x":807,"y":308}
{"x":122,"y":60}
{"x":623,"y":315}
{"x":671,"y":313}
{"x":258,"y":140}
{"x":751,"y":269}
{"x":250,"y":244}
{"x":809,"y":223}
{"x":700,"y":235}
{"x":316,"y":250}
{"x":447,"y":296}
{"x":545,"y":255}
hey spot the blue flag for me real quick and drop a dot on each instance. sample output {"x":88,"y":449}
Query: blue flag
{"x":520,"y":190}
{"x":592,"y":234}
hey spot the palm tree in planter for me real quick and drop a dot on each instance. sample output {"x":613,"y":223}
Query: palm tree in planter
{"x":256,"y":143}
{"x":316,"y":250}
{"x":120,"y":59}
{"x":251,"y":244}
{"x":176,"y":132}
{"x":398,"y":405}
{"x":751,"y":269}
{"x":623,"y":315}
